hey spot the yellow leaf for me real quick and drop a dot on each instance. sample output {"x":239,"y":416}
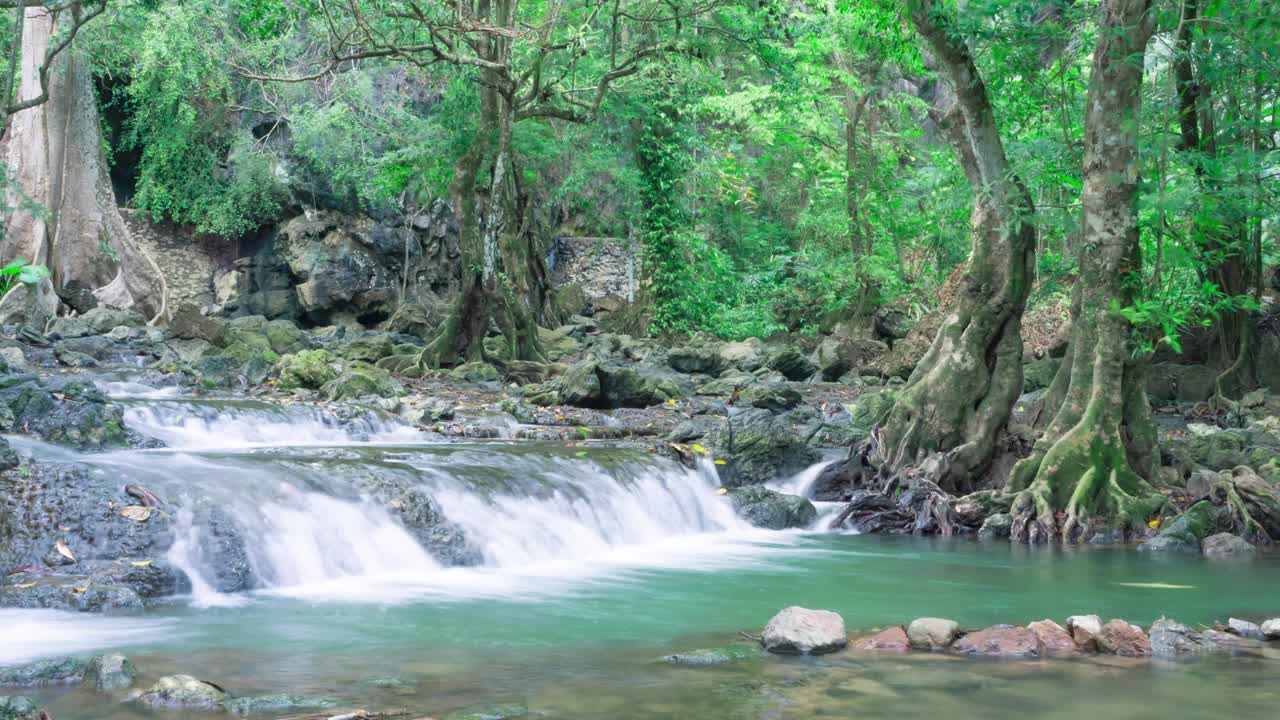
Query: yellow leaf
{"x":137,"y":513}
{"x":140,"y":563}
{"x":722,"y":491}
{"x":698,"y":449}
{"x":64,"y":551}
{"x":718,"y":461}
{"x":1154,"y":523}
{"x":24,"y":586}
{"x":671,"y":401}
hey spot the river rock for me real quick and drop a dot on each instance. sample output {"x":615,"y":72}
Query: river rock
{"x":63,"y":411}
{"x":18,"y":708}
{"x":359,"y":380}
{"x":996,"y":526}
{"x":54,"y":671}
{"x":1271,"y":629}
{"x":1185,"y":532}
{"x":893,"y":639}
{"x":309,"y":369}
{"x":713,"y":656}
{"x":275,"y":703}
{"x":771,"y":510}
{"x":1052,"y":637}
{"x":999,"y":641}
{"x":758,"y":447}
{"x":932,"y":633}
{"x":110,"y":672}
{"x":183,"y":692}
{"x":792,"y":363}
{"x":1084,"y":631}
{"x":1244,"y":628}
{"x":774,"y":397}
{"x":1118,"y":637}
{"x":700,"y":356}
{"x":801,"y":631}
{"x":1226,"y":545}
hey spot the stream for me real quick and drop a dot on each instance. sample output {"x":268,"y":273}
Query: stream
{"x":591,"y":561}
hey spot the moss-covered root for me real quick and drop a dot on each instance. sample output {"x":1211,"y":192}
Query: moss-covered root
{"x":1252,"y":505}
{"x":1081,"y":484}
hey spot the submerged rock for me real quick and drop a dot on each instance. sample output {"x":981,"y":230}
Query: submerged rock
{"x":1121,"y":638}
{"x":490,"y":712}
{"x":713,"y":656}
{"x":275,"y":703}
{"x":893,"y":639}
{"x":1226,"y":545}
{"x":773,"y":510}
{"x":801,"y":631}
{"x":999,"y":641}
{"x":183,"y":692}
{"x":54,"y":671}
{"x":18,"y":708}
{"x":110,"y":672}
{"x":932,"y":633}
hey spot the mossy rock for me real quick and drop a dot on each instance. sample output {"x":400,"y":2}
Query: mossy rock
{"x":714,"y":656}
{"x":474,"y":372}
{"x":275,"y":703}
{"x":1039,"y":374}
{"x":1216,"y":451}
{"x":870,"y":410}
{"x":18,"y":708}
{"x":1185,"y":532}
{"x":309,"y":369}
{"x":771,"y":510}
{"x":505,"y":711}
{"x":362,"y":380}
{"x":558,"y":344}
{"x":369,"y":348}
{"x":284,"y":337}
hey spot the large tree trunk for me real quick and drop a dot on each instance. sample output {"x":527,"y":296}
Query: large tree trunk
{"x":1090,"y":465}
{"x":960,"y":395}
{"x":56,"y":151}
{"x":503,"y":278}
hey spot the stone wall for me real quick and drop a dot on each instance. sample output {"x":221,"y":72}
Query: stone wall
{"x":188,"y":261}
{"x":600,"y":266}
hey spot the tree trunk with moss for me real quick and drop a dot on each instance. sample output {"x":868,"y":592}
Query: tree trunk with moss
{"x":503,"y":275}
{"x":946,"y":420}
{"x":1089,"y":469}
{"x":56,"y":152}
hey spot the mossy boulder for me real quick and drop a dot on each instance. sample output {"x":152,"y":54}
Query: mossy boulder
{"x":110,"y":672}
{"x":189,"y":324}
{"x":54,"y":671}
{"x":775,"y":397}
{"x":559,"y":343}
{"x":183,"y":692}
{"x":369,"y":348}
{"x":474,"y":372}
{"x":771,"y":510}
{"x":700,"y":355}
{"x":283,"y":336}
{"x":594,"y":384}
{"x":275,"y":703}
{"x":1215,"y":450}
{"x":1185,"y":532}
{"x":793,"y":364}
{"x":758,"y":447}
{"x":869,"y":410}
{"x":309,"y":369}
{"x":18,"y":708}
{"x":1039,"y":374}
{"x":361,"y":380}
{"x":61,"y":411}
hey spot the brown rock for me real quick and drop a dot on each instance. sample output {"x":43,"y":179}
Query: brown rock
{"x":999,"y":641}
{"x":1084,"y":631}
{"x":892,"y":640}
{"x":1121,"y":638}
{"x":1053,"y":638}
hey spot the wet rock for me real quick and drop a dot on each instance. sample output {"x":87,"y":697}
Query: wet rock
{"x":800,"y":631}
{"x":110,"y":672}
{"x":423,"y":518}
{"x":996,"y":527}
{"x":758,"y":447}
{"x":56,"y":671}
{"x":1053,"y":639}
{"x":12,"y":359}
{"x":1226,"y":545}
{"x":77,"y":295}
{"x":275,"y":703}
{"x":892,"y":640}
{"x":524,"y":372}
{"x":183,"y":692}
{"x":1184,"y":533}
{"x":490,"y":712}
{"x":792,"y":363}
{"x":713,"y":656}
{"x":62,"y":411}
{"x":774,"y":397}
{"x":1118,"y":637}
{"x":771,"y":510}
{"x":1170,"y":638}
{"x":1271,"y":629}
{"x":1084,"y":631}
{"x":75,"y":593}
{"x":1245,"y":629}
{"x":8,"y":456}
{"x":592,"y":384}
{"x":18,"y":708}
{"x":932,"y":633}
{"x":359,"y":380}
{"x":309,"y":369}
{"x":999,"y":641}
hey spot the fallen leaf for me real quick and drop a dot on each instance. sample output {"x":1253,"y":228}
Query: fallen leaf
{"x":64,"y":551}
{"x":1157,"y":586}
{"x":718,"y":461}
{"x":698,"y":449}
{"x":137,"y":513}
{"x":722,"y":491}
{"x":24,"y":586}
{"x":580,"y":453}
{"x":1154,"y":523}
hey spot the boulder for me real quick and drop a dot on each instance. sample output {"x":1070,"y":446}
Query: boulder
{"x":1118,"y":637}
{"x":999,"y":641}
{"x":183,"y":692}
{"x":1053,"y":639}
{"x":700,"y":356}
{"x":283,"y":336}
{"x":1084,"y":631}
{"x":932,"y":633}
{"x":758,"y":447}
{"x":55,"y":671}
{"x":1038,"y":374}
{"x":1226,"y":545}
{"x":801,"y":631}
{"x":836,"y":356}
{"x":189,"y":324}
{"x":773,"y":510}
{"x":359,"y":380}
{"x":996,"y":526}
{"x":1169,"y":382}
{"x":309,"y":369}
{"x":63,"y":411}
{"x":559,"y":343}
{"x":474,"y":372}
{"x":593,"y":384}
{"x":748,"y":355}
{"x":1184,"y":533}
{"x":793,"y":364}
{"x":775,"y":397}
{"x":892,"y":640}
{"x":110,"y":672}
{"x":1170,"y":638}
{"x":1244,"y":628}
{"x":1271,"y":629}
{"x":366,"y":347}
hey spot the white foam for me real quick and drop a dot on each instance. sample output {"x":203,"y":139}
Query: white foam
{"x":33,"y":634}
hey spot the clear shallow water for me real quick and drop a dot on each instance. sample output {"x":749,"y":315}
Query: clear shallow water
{"x":596,"y":565}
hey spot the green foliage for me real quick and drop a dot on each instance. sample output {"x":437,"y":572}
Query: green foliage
{"x":19,"y":270}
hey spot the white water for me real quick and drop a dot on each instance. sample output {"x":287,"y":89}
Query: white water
{"x":26,"y":635}
{"x":190,"y":426}
{"x":802,"y":484}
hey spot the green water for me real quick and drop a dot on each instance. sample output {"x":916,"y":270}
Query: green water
{"x":588,"y":648}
